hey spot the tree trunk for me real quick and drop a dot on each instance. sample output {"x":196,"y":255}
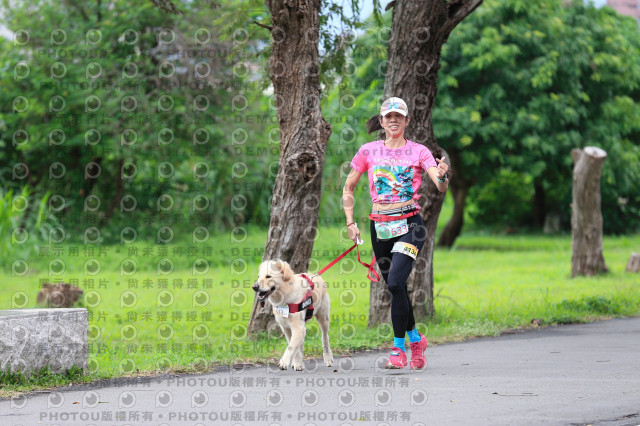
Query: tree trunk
{"x":453,"y":228}
{"x":90,"y":182}
{"x":634,"y":263}
{"x":380,"y":312}
{"x":419,"y":29}
{"x":459,"y":186}
{"x":539,"y":205}
{"x":304,"y":133}
{"x":117,"y":196}
{"x":586,"y":216}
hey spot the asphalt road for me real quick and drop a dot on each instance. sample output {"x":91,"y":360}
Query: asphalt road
{"x":568,"y":375}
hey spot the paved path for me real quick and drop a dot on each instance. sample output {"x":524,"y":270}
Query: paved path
{"x":569,"y":375}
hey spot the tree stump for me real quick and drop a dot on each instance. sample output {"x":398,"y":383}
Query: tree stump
{"x":586,"y":216}
{"x":60,"y":295}
{"x":634,"y":263}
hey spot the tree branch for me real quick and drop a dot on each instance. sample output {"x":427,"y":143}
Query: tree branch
{"x":390,"y":5}
{"x":460,"y":9}
{"x":457,"y":10}
{"x":167,"y":6}
{"x":269,"y":27}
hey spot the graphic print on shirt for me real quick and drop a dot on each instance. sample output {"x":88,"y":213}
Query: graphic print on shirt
{"x":393,"y":183}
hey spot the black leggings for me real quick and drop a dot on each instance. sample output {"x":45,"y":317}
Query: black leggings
{"x":395,"y":268}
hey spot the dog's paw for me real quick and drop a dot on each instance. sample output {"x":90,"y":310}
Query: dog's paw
{"x":298,"y":366}
{"x":328,"y":360}
{"x":283,"y":365}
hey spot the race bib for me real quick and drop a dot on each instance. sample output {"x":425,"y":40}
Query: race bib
{"x":395,"y":228}
{"x":281,"y":310}
{"x":405,"y":248}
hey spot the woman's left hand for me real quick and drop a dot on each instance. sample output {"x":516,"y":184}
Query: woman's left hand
{"x":443,"y":168}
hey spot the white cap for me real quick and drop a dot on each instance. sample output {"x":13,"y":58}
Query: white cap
{"x":394,"y":104}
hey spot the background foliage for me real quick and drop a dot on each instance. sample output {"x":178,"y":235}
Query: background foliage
{"x":194,"y":129}
{"x":523,"y":83}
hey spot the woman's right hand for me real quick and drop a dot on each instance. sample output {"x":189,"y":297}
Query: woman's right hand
{"x":354,"y":233}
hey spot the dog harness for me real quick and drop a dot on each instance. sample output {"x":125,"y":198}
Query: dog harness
{"x":307,"y":301}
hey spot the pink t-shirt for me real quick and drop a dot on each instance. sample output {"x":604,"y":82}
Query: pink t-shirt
{"x":394,"y":174}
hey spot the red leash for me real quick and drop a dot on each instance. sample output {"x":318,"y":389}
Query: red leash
{"x":368,"y":266}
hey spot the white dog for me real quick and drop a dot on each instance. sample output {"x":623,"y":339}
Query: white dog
{"x":295,"y":299}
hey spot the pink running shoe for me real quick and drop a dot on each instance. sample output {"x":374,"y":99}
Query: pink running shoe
{"x":397,"y":359}
{"x":417,"y":353}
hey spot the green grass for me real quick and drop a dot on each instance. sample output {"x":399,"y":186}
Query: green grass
{"x":186,"y":321}
{"x":41,"y":378}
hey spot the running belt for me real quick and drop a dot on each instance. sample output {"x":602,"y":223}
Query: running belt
{"x":388,"y":215}
{"x":405,"y":209}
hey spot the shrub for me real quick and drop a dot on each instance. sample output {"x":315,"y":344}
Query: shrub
{"x":506,"y":201}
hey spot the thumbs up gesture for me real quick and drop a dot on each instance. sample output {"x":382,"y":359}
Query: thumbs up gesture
{"x":443,"y":168}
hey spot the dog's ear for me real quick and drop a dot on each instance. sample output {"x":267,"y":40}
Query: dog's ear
{"x":285,"y":270}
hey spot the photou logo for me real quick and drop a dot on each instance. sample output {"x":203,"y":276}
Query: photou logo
{"x":164,"y":399}
{"x":347,"y":331}
{"x":164,"y":267}
{"x":19,"y":300}
{"x":55,"y":400}
{"x":18,"y":402}
{"x":90,"y":399}
{"x":93,"y":365}
{"x":200,"y":266}
{"x":418,"y":397}
{"x":310,"y":398}
{"x":128,"y":299}
{"x":165,"y":331}
{"x":200,"y":331}
{"x":238,"y":332}
{"x":346,"y":398}
{"x":237,"y":399}
{"x":238,"y":299}
{"x":128,"y":332}
{"x":127,"y":365}
{"x":165,"y":299}
{"x":274,"y":398}
{"x":94,"y":332}
{"x":199,"y":399}
{"x":382,"y":398}
{"x":163,"y":363}
{"x":92,"y":299}
{"x":311,"y":366}
{"x":347,"y":298}
{"x":200,"y":235}
{"x":127,"y":400}
{"x":200,"y":298}
{"x":379,"y":364}
{"x":346,"y":364}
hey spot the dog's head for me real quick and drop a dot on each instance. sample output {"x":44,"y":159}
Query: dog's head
{"x":271,"y":275}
